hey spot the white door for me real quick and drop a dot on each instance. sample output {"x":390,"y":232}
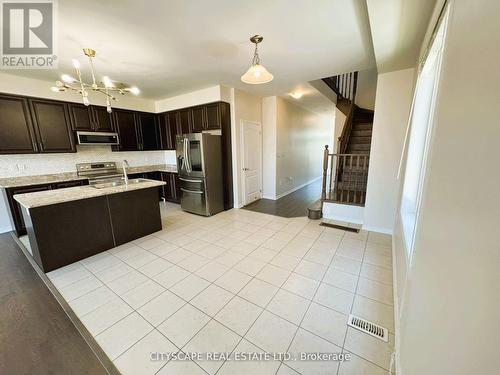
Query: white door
{"x":251,"y":161}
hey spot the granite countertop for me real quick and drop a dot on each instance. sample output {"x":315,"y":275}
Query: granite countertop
{"x":49,"y":197}
{"x":11,"y":182}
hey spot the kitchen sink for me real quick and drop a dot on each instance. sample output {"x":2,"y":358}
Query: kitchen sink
{"x":121,"y":182}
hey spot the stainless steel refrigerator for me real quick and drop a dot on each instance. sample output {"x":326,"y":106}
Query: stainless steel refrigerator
{"x":199,"y":165}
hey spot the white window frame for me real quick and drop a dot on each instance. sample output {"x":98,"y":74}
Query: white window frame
{"x":410,"y":229}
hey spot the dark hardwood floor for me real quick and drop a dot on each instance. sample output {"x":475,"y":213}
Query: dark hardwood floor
{"x":291,"y":205}
{"x":36,"y":335}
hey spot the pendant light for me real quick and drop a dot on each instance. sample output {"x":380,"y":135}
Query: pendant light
{"x":257,"y":73}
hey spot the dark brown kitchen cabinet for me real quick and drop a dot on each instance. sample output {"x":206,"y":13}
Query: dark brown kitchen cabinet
{"x":198,"y":118}
{"x":52,"y":126}
{"x":157,"y":177}
{"x":148,"y":131}
{"x":81,"y":117}
{"x":184,"y":121}
{"x":15,"y":208}
{"x":176,"y":187}
{"x":126,"y":126}
{"x":172,"y":189}
{"x":213,"y":116}
{"x":90,"y":118}
{"x":67,"y":184}
{"x":17,"y":135}
{"x":103,"y":121}
{"x":168,"y":130}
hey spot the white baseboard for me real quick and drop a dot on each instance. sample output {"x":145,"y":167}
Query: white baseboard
{"x":297,"y":188}
{"x":5,"y":230}
{"x":397,"y":342}
{"x":272,"y":197}
{"x":343,"y":212}
{"x":378,"y":229}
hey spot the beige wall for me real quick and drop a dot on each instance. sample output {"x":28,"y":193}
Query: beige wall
{"x":244,"y":107}
{"x":13,"y":84}
{"x":207,"y":95}
{"x":269,"y":118}
{"x":392,"y":108}
{"x":449,"y":305}
{"x":367,"y":88}
{"x":300,"y":140}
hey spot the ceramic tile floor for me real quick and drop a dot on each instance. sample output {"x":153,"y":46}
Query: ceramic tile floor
{"x":239,"y":281}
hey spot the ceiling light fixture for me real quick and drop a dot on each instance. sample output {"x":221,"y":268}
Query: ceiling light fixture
{"x":296,"y":95}
{"x":256,"y":74}
{"x":106,"y":87}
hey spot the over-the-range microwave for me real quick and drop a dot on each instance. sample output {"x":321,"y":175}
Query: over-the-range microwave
{"x":97,"y":138}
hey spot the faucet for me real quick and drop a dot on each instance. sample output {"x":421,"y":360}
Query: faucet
{"x":125,"y":165}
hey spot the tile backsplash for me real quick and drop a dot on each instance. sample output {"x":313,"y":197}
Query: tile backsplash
{"x":36,"y":164}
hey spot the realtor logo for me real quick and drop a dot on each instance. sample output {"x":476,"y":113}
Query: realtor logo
{"x":28,"y":34}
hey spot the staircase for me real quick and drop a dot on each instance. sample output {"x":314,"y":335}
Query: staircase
{"x":360,"y":138}
{"x":345,"y":174}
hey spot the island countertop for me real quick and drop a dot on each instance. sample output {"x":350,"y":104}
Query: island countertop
{"x":49,"y":197}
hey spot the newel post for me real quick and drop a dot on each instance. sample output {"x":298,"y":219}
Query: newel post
{"x":325,"y":168}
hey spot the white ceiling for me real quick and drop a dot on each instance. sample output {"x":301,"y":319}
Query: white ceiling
{"x":172,"y":47}
{"x":398,"y":28}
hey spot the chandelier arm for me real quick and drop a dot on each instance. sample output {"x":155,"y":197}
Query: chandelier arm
{"x":103,"y":91}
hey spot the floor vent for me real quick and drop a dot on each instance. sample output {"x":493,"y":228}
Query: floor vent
{"x":368,"y":327}
{"x":337,"y":226}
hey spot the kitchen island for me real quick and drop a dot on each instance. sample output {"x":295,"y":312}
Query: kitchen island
{"x":70,"y":224}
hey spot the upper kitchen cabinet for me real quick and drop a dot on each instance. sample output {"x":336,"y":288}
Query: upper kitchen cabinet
{"x":90,"y":118}
{"x":126,"y":126}
{"x":198,"y":117}
{"x":52,"y":126}
{"x":103,"y":121}
{"x":168,"y":130}
{"x":148,"y":131}
{"x":213,"y":113}
{"x":16,"y":129}
{"x":81,"y":117}
{"x":184,"y":121}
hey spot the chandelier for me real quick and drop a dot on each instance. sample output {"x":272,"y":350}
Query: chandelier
{"x":256,"y":74}
{"x":107,"y":87}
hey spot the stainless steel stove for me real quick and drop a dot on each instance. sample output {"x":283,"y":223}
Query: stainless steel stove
{"x":99,"y":173}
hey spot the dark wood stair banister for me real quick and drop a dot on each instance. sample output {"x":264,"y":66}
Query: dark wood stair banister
{"x":345,"y":178}
{"x":344,"y":85}
{"x":346,"y":130}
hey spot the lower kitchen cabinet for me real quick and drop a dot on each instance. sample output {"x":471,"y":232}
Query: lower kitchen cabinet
{"x":172,"y":190}
{"x":15,"y":208}
{"x":89,"y":226}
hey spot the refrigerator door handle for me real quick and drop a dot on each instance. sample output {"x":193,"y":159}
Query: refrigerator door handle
{"x":188,"y":153}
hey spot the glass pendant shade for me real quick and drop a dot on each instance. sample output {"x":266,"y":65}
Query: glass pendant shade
{"x":257,"y":74}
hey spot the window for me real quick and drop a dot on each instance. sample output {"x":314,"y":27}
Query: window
{"x":420,"y":129}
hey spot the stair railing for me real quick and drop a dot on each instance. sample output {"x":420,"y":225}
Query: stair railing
{"x":344,"y":85}
{"x":346,"y":130}
{"x":345,"y":178}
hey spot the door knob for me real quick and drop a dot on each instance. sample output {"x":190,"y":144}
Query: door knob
{"x":246,"y":169}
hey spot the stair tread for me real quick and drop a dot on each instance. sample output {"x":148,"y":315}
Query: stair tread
{"x":354,"y":139}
